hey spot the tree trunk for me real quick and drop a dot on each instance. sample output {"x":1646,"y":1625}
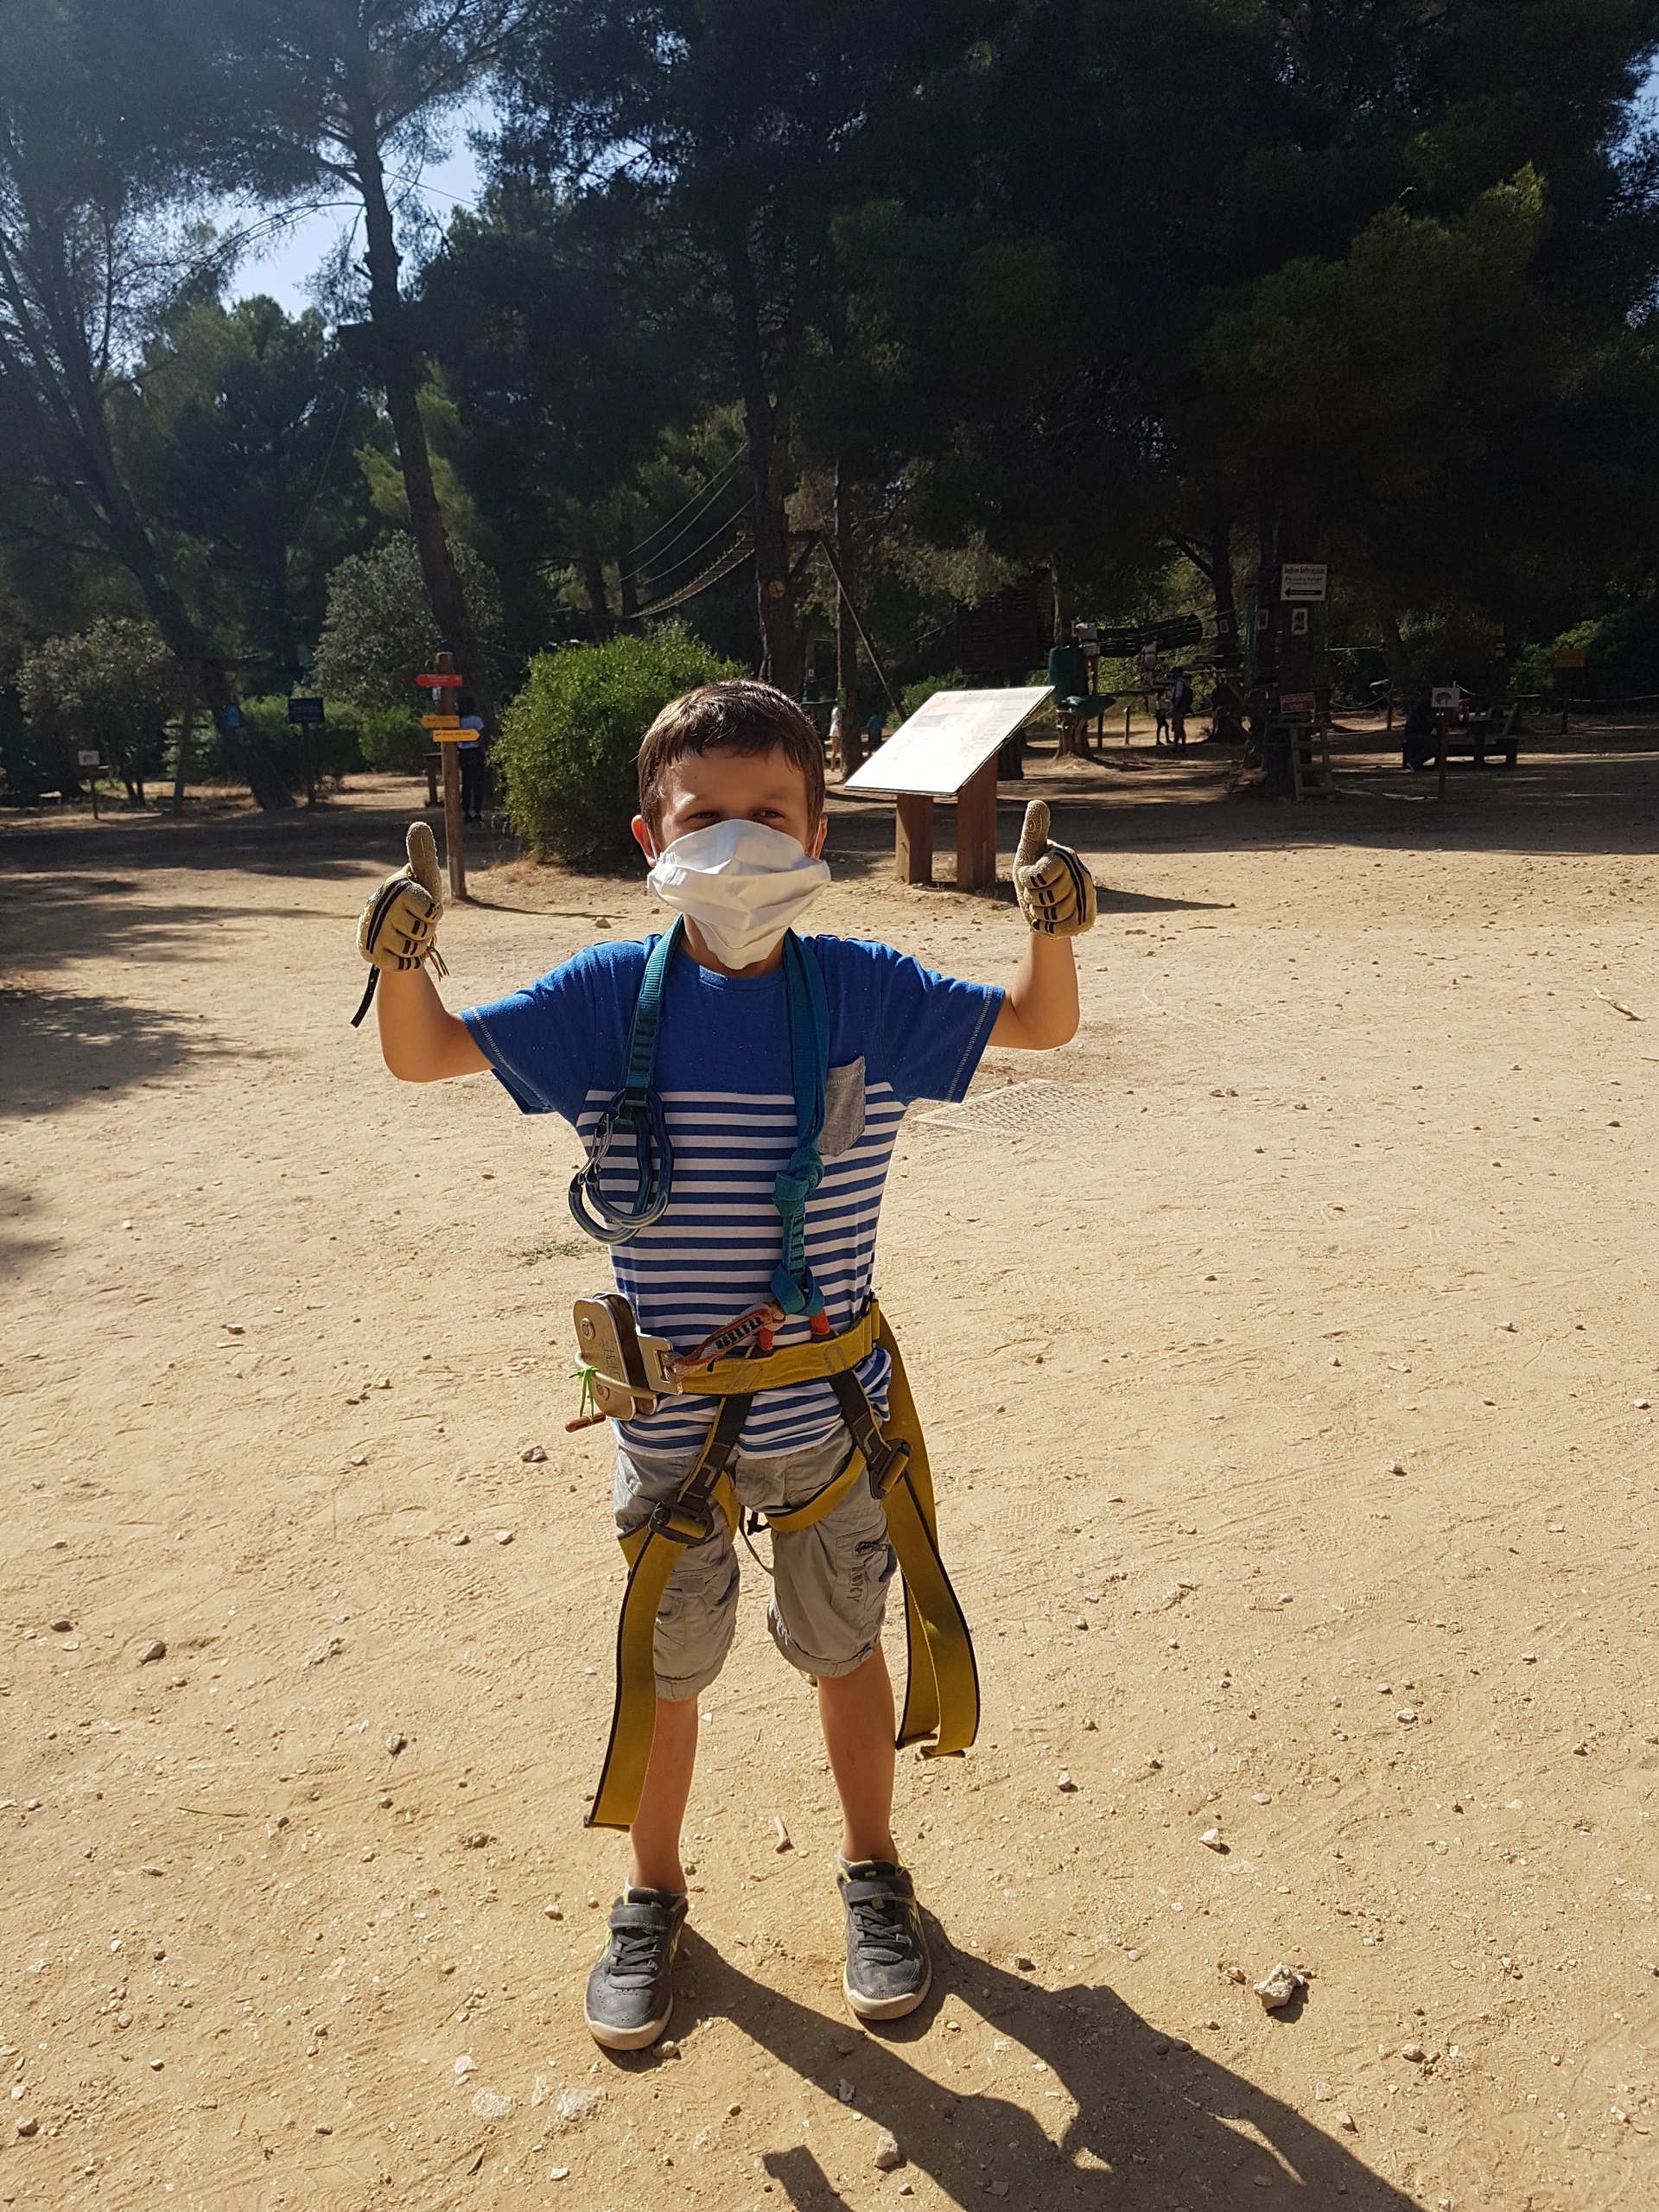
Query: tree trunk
{"x":766,"y":426}
{"x":1062,"y":602}
{"x":852,"y":730}
{"x":1393,"y":649}
{"x":1220,"y":587}
{"x":1267,"y":605}
{"x":591,"y":568}
{"x":397,"y":365}
{"x":131,"y":543}
{"x":627,"y":582}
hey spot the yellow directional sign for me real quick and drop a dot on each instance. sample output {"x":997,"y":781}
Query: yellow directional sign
{"x":441,"y":726}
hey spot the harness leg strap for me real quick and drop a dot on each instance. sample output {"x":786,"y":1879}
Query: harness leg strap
{"x":653,"y":1553}
{"x":941,"y":1675}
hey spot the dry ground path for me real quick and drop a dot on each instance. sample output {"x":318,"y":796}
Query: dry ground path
{"x":1287,"y":1365}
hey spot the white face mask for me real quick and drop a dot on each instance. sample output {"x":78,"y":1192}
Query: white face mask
{"x":742,"y":884}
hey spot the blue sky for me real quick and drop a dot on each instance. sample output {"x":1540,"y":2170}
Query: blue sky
{"x":286,"y":258}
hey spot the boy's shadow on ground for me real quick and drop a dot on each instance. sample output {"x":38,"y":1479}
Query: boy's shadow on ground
{"x":1150,"y":2128}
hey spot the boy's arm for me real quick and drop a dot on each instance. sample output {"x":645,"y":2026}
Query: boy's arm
{"x":1039,"y":1006}
{"x":421,"y":1041}
{"x":1057,"y":896}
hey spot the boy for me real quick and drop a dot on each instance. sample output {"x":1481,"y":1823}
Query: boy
{"x":731,"y":818}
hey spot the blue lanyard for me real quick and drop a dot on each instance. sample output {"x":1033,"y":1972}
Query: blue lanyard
{"x":637,"y":1108}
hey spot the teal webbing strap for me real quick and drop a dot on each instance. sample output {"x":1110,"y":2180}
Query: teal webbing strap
{"x":793,"y":1284}
{"x":636,"y":1107}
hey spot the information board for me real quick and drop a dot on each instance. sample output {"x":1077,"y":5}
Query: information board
{"x":1303,"y":580}
{"x":947,"y":740}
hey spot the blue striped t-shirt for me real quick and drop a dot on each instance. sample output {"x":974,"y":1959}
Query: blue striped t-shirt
{"x":897,"y":1032}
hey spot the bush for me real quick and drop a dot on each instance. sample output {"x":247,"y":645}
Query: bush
{"x":570,"y":740}
{"x":335,"y":751}
{"x":113,"y":687}
{"x":378,"y":634}
{"x":918,"y":695}
{"x":390,"y":739}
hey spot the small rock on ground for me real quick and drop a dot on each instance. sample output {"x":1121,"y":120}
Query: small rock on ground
{"x":1278,"y":1987}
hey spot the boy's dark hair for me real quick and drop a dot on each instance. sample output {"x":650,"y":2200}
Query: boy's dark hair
{"x":738,"y":717}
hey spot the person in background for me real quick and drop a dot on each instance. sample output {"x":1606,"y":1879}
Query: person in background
{"x":1180,"y":705}
{"x":1418,"y":746}
{"x":837,"y":763}
{"x":876,"y":728}
{"x":471,"y":749}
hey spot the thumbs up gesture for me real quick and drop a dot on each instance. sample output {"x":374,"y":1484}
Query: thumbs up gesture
{"x":1055,"y":890}
{"x":397,"y":926}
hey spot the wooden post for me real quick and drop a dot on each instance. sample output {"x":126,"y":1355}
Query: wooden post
{"x":1440,"y":721}
{"x":453,"y":833}
{"x":446,"y":727}
{"x":912,"y":850}
{"x":187,"y":723}
{"x":977,"y":830}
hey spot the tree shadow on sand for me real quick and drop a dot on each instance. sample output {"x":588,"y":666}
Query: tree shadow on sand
{"x":58,"y":1048}
{"x":1150,"y":2125}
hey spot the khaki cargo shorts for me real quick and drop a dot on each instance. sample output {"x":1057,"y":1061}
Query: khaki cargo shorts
{"x":830,"y":1582}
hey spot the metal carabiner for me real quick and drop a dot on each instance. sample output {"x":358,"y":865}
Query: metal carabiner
{"x":608,"y":1222}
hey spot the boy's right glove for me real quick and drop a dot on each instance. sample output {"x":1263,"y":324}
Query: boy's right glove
{"x":397,"y":927}
{"x":1055,"y":890}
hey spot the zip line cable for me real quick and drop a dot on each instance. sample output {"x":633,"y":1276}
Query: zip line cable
{"x":695,"y":499}
{"x":697,"y":552}
{"x":724,"y":567}
{"x":643,"y":560}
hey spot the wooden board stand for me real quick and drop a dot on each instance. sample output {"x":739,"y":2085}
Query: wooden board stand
{"x":948,"y":750}
{"x":975,"y":833}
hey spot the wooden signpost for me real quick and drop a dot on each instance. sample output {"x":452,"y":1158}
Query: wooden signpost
{"x":447,"y":734}
{"x":948,"y":749}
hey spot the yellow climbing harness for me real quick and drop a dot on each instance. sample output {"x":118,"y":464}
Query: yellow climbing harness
{"x":624,"y":1372}
{"x":941,"y":1685}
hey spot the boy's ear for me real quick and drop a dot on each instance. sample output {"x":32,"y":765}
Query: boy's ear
{"x":815,"y":851}
{"x":643,"y":838}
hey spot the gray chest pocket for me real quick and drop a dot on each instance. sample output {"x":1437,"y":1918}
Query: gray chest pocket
{"x":843,"y":1109}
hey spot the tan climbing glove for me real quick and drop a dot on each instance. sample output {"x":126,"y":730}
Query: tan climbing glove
{"x":1055,"y":890}
{"x":397,"y":927}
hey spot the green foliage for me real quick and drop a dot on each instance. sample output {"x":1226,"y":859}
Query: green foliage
{"x":378,"y":634}
{"x":241,"y":425}
{"x":335,"y":745}
{"x":570,"y":740}
{"x":22,"y":778}
{"x":918,"y":695}
{"x":113,"y":687}
{"x":389,"y":739}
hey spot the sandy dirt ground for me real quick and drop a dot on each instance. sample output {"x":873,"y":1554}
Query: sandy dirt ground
{"x":1287,"y":1362}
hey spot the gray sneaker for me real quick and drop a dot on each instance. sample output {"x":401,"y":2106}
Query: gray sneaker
{"x":888,"y":1970}
{"x":631,"y":1990}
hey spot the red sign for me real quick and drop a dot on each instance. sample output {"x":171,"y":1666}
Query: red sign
{"x":440,"y":682}
{"x":1296,"y":702}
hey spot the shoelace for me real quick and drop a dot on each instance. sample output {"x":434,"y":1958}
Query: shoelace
{"x":883,"y":1928}
{"x":636,"y":1953}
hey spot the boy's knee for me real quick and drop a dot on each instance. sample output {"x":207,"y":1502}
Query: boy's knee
{"x":830,"y":1589}
{"x":697,"y":1620}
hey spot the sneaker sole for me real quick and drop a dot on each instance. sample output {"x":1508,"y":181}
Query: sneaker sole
{"x":886,"y":2008}
{"x":609,"y":2039}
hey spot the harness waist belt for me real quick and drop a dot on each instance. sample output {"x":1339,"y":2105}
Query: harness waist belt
{"x":941,"y":1711}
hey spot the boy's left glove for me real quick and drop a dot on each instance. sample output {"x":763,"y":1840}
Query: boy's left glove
{"x":397,"y":926}
{"x":1055,"y":890}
